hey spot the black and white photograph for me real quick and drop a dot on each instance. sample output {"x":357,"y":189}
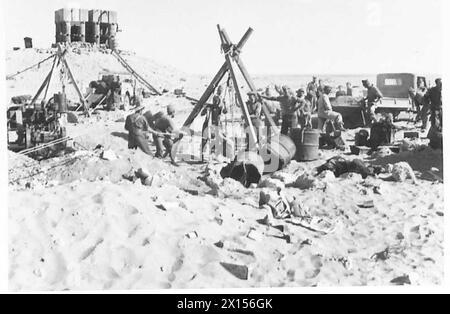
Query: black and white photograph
{"x":160,"y":145}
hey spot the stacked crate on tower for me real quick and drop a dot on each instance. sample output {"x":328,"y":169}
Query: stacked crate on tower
{"x":103,"y":27}
{"x":92,"y":26}
{"x":71,"y":25}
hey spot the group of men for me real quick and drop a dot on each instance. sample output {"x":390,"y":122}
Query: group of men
{"x":296,"y":111}
{"x":428,"y":104}
{"x":160,"y":125}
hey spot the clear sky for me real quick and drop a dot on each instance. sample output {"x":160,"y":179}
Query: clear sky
{"x":291,"y":36}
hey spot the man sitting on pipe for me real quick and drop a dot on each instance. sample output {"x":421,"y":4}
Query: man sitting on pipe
{"x":325,"y":110}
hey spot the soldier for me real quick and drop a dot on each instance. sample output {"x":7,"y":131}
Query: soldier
{"x":311,"y":92}
{"x":216,"y":109}
{"x":341,"y":91}
{"x":288,"y":103}
{"x":137,"y":126}
{"x":164,"y":124}
{"x":255,"y":110}
{"x":325,"y":110}
{"x":349,"y":89}
{"x":304,"y":109}
{"x":434,"y":98}
{"x":373,"y":97}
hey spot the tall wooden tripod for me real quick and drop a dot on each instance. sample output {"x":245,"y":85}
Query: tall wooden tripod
{"x":232,"y":57}
{"x":59,"y":59}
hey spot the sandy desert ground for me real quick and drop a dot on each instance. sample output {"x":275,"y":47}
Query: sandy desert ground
{"x":76,"y":224}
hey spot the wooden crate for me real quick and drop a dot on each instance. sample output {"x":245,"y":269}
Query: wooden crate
{"x":84,"y":15}
{"x":94,"y":15}
{"x":75,"y":15}
{"x":112,"y":17}
{"x":63,"y":15}
{"x":104,"y":17}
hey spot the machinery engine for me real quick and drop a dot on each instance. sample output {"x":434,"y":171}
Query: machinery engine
{"x":37,"y":126}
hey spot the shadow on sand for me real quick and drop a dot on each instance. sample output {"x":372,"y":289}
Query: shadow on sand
{"x":421,"y":162}
{"x":122,"y":135}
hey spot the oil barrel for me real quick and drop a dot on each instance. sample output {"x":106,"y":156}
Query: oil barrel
{"x":278,"y":153}
{"x":307,"y":144}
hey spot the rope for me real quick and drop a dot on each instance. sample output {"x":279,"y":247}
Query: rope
{"x":46,"y":145}
{"x":9,"y":77}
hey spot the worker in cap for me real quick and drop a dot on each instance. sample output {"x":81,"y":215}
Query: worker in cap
{"x":325,"y":111}
{"x":341,"y":91}
{"x":137,"y":126}
{"x":311,"y":91}
{"x":254,"y":106}
{"x":166,"y":131}
{"x":301,"y":92}
{"x":213,"y":113}
{"x":303,"y":109}
{"x":374,"y":96}
{"x":171,"y":111}
{"x":433,"y":98}
{"x":287,"y":103}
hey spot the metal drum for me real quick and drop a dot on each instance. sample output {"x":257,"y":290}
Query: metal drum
{"x":278,"y":153}
{"x":307,"y":143}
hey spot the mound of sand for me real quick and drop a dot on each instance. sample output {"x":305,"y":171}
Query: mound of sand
{"x":75,"y":222}
{"x":88,"y":65}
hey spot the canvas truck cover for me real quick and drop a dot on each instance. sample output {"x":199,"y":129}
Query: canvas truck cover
{"x":395,"y":85}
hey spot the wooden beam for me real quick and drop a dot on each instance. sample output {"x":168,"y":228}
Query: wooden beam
{"x":244,"y":39}
{"x":212,"y":86}
{"x":246,"y":75}
{"x":9,"y":77}
{"x":49,"y":81}
{"x":44,"y":84}
{"x":243,"y":105}
{"x":209,"y":91}
{"x":80,"y":95}
{"x":138,"y":77}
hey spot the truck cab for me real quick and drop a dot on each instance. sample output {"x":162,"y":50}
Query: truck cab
{"x":395,"y":89}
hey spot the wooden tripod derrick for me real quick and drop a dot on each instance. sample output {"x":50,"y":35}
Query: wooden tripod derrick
{"x":136,"y":75}
{"x":60,"y":60}
{"x":232,"y":62}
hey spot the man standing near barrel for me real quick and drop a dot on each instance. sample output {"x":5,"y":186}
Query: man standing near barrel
{"x":255,"y":110}
{"x":287,"y":102}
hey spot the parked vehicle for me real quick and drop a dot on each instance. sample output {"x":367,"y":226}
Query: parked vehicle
{"x":395,"y":89}
{"x":396,"y":98}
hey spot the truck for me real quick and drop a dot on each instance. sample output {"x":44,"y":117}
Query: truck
{"x":112,"y":91}
{"x":396,"y":95}
{"x":395,"y":88}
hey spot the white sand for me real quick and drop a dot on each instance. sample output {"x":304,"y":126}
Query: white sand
{"x":82,"y":227}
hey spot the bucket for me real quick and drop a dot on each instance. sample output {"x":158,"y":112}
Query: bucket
{"x":247,"y":168}
{"x":278,"y":153}
{"x":307,"y":143}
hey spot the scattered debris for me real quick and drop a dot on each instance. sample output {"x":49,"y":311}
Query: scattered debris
{"x":402,"y":171}
{"x":271,"y":184}
{"x":340,"y":166}
{"x":381,"y":256}
{"x":367,"y":204}
{"x":109,"y":155}
{"x":192,"y":235}
{"x":255,"y":235}
{"x":401,"y":281}
{"x":238,"y":271}
{"x":315,"y":224}
{"x":306,"y":182}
